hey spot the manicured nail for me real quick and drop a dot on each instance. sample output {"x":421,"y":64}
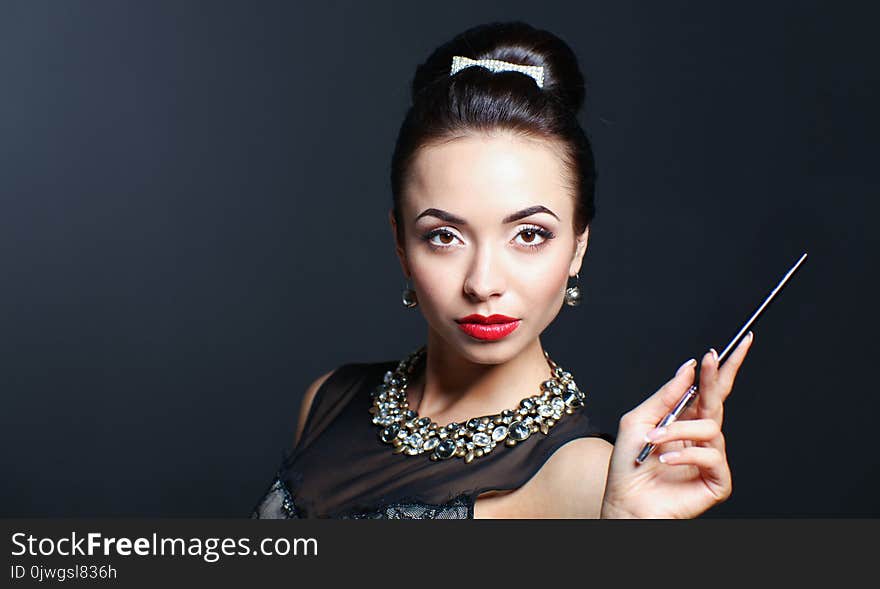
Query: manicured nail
{"x":714,"y":354}
{"x":690,"y":362}
{"x":669,"y":456}
{"x":655,"y":434}
{"x":752,"y":335}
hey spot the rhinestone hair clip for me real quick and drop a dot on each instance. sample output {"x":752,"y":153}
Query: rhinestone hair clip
{"x":496,"y":65}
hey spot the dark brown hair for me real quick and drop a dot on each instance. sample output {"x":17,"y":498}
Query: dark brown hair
{"x":475,"y":99}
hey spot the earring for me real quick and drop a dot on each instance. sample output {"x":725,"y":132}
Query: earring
{"x":409,"y":297}
{"x":573,"y":293}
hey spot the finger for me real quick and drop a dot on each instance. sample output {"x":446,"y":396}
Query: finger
{"x":711,"y":462}
{"x":727,"y":372}
{"x":710,"y":399}
{"x":655,"y":407}
{"x":702,"y":431}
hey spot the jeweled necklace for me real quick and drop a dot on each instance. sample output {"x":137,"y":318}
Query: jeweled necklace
{"x":408,"y":433}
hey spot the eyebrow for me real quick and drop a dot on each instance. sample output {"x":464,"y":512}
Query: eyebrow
{"x":450,"y":218}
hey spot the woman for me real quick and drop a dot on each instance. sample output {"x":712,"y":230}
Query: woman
{"x":492,"y":181}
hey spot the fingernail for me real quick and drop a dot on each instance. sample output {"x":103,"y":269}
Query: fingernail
{"x":714,"y":354}
{"x":655,"y":434}
{"x":752,"y":335}
{"x":690,"y":362}
{"x":669,"y":456}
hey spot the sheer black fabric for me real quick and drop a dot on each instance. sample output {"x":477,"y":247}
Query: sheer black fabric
{"x":340,"y":468}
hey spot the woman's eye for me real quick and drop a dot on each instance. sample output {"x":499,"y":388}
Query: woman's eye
{"x":534,"y":236}
{"x":440,"y":238}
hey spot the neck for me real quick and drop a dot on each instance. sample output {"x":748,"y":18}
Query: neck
{"x":452,"y":387}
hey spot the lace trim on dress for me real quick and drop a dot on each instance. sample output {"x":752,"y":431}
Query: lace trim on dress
{"x":279,"y":504}
{"x":460,"y":507}
{"x":276,"y":503}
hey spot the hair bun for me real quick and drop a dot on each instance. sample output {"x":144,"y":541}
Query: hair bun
{"x":514,"y":42}
{"x":478,"y":99}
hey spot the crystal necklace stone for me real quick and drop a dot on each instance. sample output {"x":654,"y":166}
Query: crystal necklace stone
{"x":411,"y":434}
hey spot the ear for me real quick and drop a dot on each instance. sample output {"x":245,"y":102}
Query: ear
{"x":398,"y":247}
{"x":579,"y":251}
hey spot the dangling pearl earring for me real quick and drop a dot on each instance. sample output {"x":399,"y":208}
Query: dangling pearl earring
{"x":573,"y":293}
{"x":409,"y":297}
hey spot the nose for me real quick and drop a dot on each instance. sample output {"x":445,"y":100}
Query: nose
{"x":485,"y":276}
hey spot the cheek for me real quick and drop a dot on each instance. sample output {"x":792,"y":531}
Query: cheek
{"x":434,"y":278}
{"x":543,"y":283}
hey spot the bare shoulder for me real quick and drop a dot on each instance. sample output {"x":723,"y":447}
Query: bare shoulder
{"x":572,"y":481}
{"x":306,"y":403}
{"x":570,"y":484}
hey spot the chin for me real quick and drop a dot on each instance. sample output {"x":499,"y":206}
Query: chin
{"x":488,"y":352}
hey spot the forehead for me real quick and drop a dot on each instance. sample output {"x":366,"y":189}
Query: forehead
{"x":490,"y":173}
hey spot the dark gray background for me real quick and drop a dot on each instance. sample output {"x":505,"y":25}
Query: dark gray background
{"x":193,"y":226}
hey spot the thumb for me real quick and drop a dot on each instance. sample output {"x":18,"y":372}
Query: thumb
{"x":655,"y":407}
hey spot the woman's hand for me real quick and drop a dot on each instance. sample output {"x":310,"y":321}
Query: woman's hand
{"x":687,"y":473}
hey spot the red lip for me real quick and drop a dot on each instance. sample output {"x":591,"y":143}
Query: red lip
{"x":493,"y":327}
{"x":476,"y":318}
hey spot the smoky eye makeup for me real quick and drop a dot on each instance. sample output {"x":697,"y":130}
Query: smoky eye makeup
{"x":445,"y":237}
{"x":535,"y":230}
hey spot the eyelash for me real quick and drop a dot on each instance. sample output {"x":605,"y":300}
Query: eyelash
{"x":546,"y":234}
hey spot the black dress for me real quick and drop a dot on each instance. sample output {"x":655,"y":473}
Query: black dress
{"x":341,"y":469}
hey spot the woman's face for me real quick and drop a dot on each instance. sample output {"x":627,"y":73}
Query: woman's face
{"x":488,"y":230}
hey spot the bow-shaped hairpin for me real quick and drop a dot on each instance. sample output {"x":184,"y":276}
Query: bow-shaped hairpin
{"x":496,"y":65}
